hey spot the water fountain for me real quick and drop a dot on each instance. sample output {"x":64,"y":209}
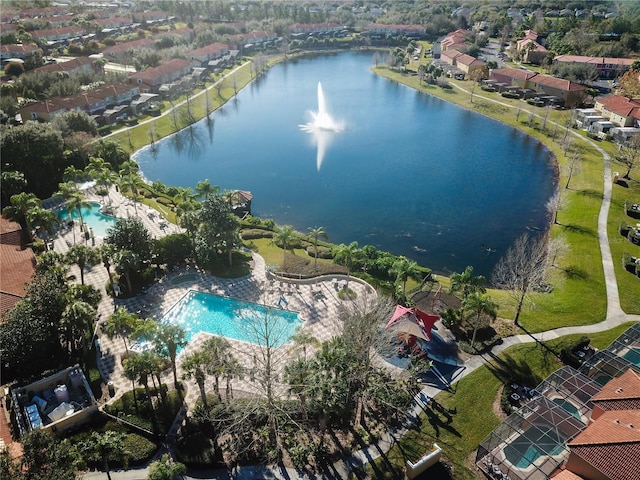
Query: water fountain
{"x":321,"y":126}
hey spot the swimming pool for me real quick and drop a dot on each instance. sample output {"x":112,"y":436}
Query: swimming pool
{"x":633,"y":355}
{"x":532,"y":444}
{"x":568,"y":407}
{"x":92,"y":216}
{"x":227,"y":317}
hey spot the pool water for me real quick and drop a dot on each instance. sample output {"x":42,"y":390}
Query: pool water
{"x":96,"y":220}
{"x":227,"y":317}
{"x":633,"y":355}
{"x":532,"y":444}
{"x":568,"y":406}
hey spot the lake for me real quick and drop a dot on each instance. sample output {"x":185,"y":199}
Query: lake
{"x":407,"y":172}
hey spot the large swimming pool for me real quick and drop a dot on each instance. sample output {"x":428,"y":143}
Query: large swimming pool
{"x":92,"y":216}
{"x":227,"y":317}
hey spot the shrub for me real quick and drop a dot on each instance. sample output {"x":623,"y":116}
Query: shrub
{"x":510,"y":95}
{"x":104,"y":130}
{"x":253,"y":233}
{"x":140,"y":449}
{"x":323,"y":252}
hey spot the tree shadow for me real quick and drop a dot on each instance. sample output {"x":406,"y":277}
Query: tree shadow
{"x":507,"y":369}
{"x":573,"y":272}
{"x":591,"y":193}
{"x":573,"y":228}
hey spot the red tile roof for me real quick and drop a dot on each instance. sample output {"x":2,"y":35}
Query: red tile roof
{"x":468,"y":60}
{"x":621,"y":105}
{"x":594,"y":60}
{"x":566,"y":475}
{"x":134,"y":45}
{"x":214,"y":48}
{"x":68,"y":66}
{"x":26,"y":48}
{"x":17,"y":264}
{"x":515,"y":73}
{"x":151,"y":75}
{"x":558,"y":83}
{"x":611,"y":444}
{"x":625,"y":387}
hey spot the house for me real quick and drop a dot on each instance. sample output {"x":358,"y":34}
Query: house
{"x":241,"y":203}
{"x":472,"y":67}
{"x":61,"y":34}
{"x":455,"y":41}
{"x":529,"y":48}
{"x":115,"y":22}
{"x":607,"y":67}
{"x":20,"y":51}
{"x":314,"y":29}
{"x":58,"y":403}
{"x":151,"y":79}
{"x":568,"y":93}
{"x":121,"y":52}
{"x":200,"y":57}
{"x":187,"y":33}
{"x":91,"y":102}
{"x":152,"y":16}
{"x":258,"y":40}
{"x":60,"y":20}
{"x":76,"y":65}
{"x":622,"y":111}
{"x":17,"y":264}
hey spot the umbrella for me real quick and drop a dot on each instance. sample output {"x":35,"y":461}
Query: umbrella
{"x":407,"y":318}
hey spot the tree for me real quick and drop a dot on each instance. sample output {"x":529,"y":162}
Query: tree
{"x":11,"y":183}
{"x":403,"y":268}
{"x":316,"y":233}
{"x":130,"y":234}
{"x":127,"y":262}
{"x":204,"y":189}
{"x":166,"y":469}
{"x":21,"y":205}
{"x":555,"y":203}
{"x":43,"y":220}
{"x":629,"y":84}
{"x":106,"y":447}
{"x":217,"y":349}
{"x":218,"y":230}
{"x":14,"y":69}
{"x":100,"y":171}
{"x":75,"y":121}
{"x":82,"y":256}
{"x":466,"y":283}
{"x":168,"y":338}
{"x":282,"y":237}
{"x":347,"y":254}
{"x":479,"y":303}
{"x":195,"y":366}
{"x":46,"y":456}
{"x":522,"y":269}
{"x":629,"y":154}
{"x":77,"y":325}
{"x":121,"y":323}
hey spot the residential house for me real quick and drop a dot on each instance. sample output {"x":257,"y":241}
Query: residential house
{"x":17,"y":264}
{"x":61,"y":34}
{"x":380,"y":30}
{"x":607,"y":67}
{"x":21,"y":51}
{"x":201,"y":57}
{"x":152,"y":16}
{"x":472,"y":67}
{"x":257,"y":40}
{"x":622,"y":111}
{"x":567,"y":93}
{"x":120,"y":52}
{"x":530,"y":49}
{"x":187,"y":33}
{"x":91,"y":102}
{"x":76,"y":65}
{"x":151,"y":79}
{"x":314,"y":29}
{"x":60,"y":20}
{"x":115,"y":22}
{"x":57,"y":403}
{"x":455,"y":41}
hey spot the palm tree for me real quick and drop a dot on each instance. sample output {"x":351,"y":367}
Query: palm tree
{"x":404,"y":269}
{"x":126,"y":262}
{"x":77,"y":324}
{"x":316,"y":233}
{"x":194,"y":366}
{"x":283,"y":236}
{"x":21,"y":204}
{"x":44,"y":218}
{"x":106,"y":255}
{"x":348,"y":253}
{"x":82,"y":256}
{"x":204,"y":188}
{"x":479,"y":303}
{"x":108,"y":446}
{"x":301,"y":339}
{"x":101,"y":172}
{"x":217,"y":351}
{"x":466,"y":283}
{"x":121,"y":323}
{"x":232,"y":369}
{"x":170,"y":338}
{"x":129,"y":179}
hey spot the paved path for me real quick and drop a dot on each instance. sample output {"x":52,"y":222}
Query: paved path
{"x":305,"y":299}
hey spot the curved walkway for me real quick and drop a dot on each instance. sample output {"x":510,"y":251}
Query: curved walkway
{"x":615,"y":316}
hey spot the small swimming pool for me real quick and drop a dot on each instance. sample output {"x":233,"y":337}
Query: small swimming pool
{"x":532,"y":444}
{"x":568,"y":407}
{"x":92,"y":216}
{"x":227,"y":317}
{"x":633,"y":355}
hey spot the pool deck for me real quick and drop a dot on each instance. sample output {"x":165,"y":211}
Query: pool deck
{"x":316,"y":301}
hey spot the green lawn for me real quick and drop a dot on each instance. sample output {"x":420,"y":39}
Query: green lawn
{"x":470,"y":402}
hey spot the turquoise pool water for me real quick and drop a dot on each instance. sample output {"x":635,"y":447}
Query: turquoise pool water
{"x":92,"y":216}
{"x":531,"y":445}
{"x":633,"y":355}
{"x":568,"y":406}
{"x":227,"y":317}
